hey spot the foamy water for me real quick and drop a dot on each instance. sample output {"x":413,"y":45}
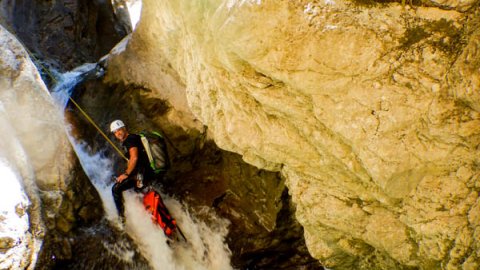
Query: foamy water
{"x":205,"y":248}
{"x":13,"y":225}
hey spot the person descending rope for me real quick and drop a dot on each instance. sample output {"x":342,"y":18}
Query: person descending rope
{"x":147,"y":159}
{"x":138,"y":173}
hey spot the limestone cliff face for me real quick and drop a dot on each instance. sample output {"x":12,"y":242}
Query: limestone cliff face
{"x":370,"y":111}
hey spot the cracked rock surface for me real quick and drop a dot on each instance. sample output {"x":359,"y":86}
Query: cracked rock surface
{"x":369,"y":110}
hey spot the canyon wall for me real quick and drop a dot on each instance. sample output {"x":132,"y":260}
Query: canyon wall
{"x":65,"y":34}
{"x":36,"y":158}
{"x":60,"y":35}
{"x":49,"y":194}
{"x":370,"y":110}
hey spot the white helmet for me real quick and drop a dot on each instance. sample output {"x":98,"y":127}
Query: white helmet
{"x":116,"y":125}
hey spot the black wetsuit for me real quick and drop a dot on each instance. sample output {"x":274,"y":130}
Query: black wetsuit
{"x":142,"y":166}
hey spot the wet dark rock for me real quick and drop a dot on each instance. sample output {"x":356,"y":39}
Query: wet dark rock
{"x":100,"y":246}
{"x":6,"y":243}
{"x":65,"y":33}
{"x":283,"y":248}
{"x":81,"y":208}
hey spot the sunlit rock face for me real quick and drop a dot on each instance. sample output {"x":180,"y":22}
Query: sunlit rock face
{"x":370,"y":111}
{"x":35,"y":159}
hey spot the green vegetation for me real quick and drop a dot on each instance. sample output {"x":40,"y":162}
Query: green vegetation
{"x":375,"y":3}
{"x":451,"y":41}
{"x":441,"y":34}
{"x":413,"y":35}
{"x":371,"y":3}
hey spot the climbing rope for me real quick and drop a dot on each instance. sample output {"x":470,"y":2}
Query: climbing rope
{"x":78,"y":107}
{"x":98,"y":128}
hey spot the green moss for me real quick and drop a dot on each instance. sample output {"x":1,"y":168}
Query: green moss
{"x":451,"y":40}
{"x":462,"y":103}
{"x":413,"y":35}
{"x":441,"y":34}
{"x":373,"y":3}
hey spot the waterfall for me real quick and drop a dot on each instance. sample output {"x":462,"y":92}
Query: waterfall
{"x":205,"y":248}
{"x":13,"y":199}
{"x":66,"y":82}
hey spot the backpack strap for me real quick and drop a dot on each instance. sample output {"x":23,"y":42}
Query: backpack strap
{"x":146,"y":145}
{"x":148,"y":150}
{"x":157,"y":133}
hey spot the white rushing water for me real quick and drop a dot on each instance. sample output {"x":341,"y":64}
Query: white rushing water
{"x":14,"y":222}
{"x":13,"y":197}
{"x":205,"y":249}
{"x":67,"y":81}
{"x":134,"y":10}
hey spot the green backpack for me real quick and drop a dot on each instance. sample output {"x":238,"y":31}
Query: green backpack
{"x":156,"y":149}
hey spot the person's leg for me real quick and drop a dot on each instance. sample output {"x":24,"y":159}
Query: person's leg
{"x":117,"y":191}
{"x":153,"y":179}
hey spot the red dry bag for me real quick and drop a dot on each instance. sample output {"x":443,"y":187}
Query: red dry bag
{"x":154,"y":205}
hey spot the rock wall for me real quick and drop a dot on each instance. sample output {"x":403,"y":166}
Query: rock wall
{"x":33,"y":147}
{"x":53,"y":198}
{"x":65,"y":33}
{"x":370,"y":110}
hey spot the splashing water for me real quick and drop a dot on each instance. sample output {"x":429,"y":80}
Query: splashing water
{"x":99,"y":170}
{"x":17,"y":194}
{"x":205,"y":248}
{"x":13,"y":221}
{"x":66,"y":82}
